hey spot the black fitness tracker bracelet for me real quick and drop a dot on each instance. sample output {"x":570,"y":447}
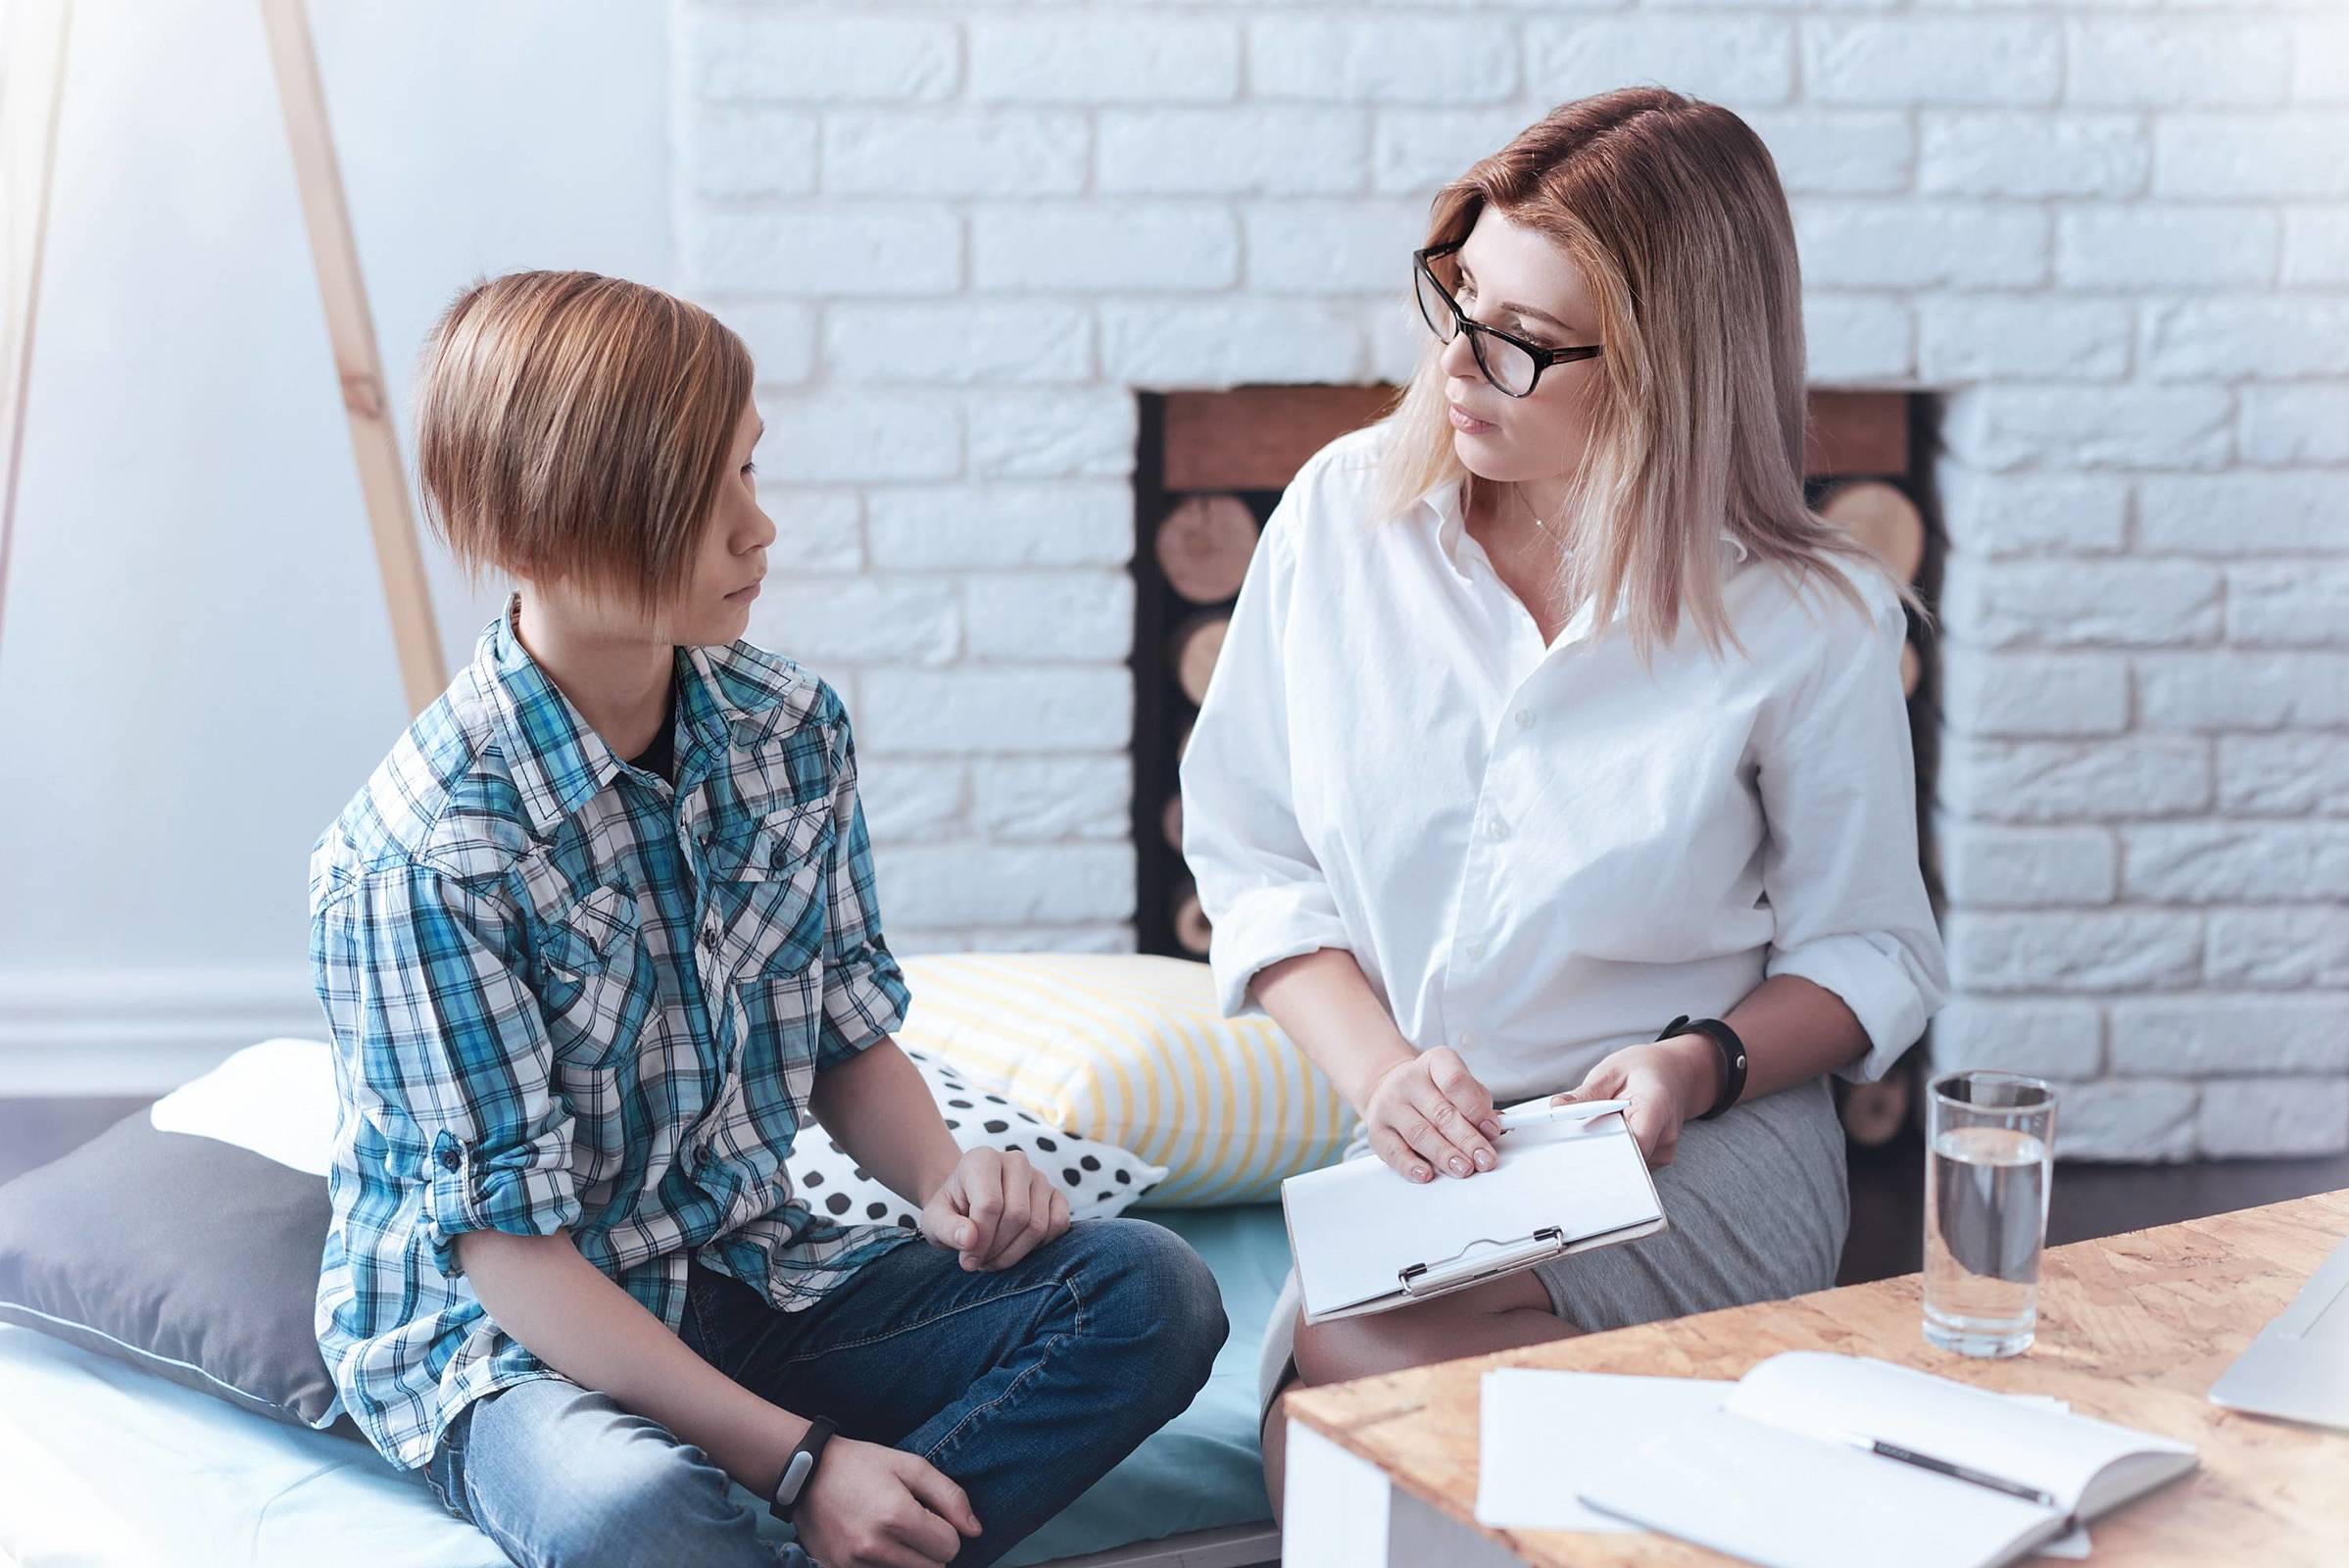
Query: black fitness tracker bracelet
{"x":800,"y":1468}
{"x":1733,"y":1057}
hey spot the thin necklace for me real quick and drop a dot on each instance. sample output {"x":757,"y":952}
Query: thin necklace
{"x":1519,"y":491}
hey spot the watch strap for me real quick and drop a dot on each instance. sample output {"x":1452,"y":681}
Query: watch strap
{"x":800,"y":1468}
{"x":1733,"y":1057}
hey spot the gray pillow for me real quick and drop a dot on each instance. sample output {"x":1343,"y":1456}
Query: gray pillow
{"x":194,"y":1252}
{"x":194,"y":1258}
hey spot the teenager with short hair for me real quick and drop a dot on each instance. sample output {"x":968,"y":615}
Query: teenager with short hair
{"x":596,"y":941}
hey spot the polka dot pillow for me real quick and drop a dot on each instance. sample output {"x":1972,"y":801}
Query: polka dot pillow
{"x":1098,"y":1180}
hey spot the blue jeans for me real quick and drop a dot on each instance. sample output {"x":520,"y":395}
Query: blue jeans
{"x":1024,"y":1385}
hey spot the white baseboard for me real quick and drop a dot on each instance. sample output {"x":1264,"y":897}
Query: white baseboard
{"x":141,"y":1031}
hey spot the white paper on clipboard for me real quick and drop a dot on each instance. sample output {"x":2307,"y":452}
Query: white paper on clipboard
{"x":1359,"y":1230}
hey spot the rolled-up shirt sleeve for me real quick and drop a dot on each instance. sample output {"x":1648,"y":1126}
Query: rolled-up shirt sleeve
{"x":865,"y":989}
{"x":443,"y":1046}
{"x":1263,"y":894}
{"x":1838,"y":782}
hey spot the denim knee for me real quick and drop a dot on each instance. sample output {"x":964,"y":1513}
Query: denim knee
{"x":651,"y":1501}
{"x":562,"y":1476}
{"x":1149,"y":1285}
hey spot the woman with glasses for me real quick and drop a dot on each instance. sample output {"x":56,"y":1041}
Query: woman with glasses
{"x":1558,"y":747}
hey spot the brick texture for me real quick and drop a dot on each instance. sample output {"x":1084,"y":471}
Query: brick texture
{"x":959,"y":236}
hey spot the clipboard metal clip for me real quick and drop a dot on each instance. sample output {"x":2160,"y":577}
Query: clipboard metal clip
{"x":1433,"y":1279}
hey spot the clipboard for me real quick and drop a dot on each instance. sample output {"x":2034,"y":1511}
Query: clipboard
{"x":1367,"y":1239}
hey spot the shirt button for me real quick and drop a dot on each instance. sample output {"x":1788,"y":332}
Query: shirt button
{"x":709,"y":939}
{"x":450,"y":1159}
{"x":1467,"y":1038}
{"x":1476,"y":949}
{"x":1497,"y":828}
{"x":1525,"y":719}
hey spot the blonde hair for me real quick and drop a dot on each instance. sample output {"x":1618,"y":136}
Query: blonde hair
{"x":575,"y":425}
{"x":1672,"y":208}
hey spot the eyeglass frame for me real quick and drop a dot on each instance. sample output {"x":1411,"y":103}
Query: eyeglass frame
{"x":1542,"y":357}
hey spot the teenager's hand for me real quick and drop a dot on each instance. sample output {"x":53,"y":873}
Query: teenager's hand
{"x":993,"y":1208}
{"x":1429,"y":1114}
{"x":869,"y":1506}
{"x":1667,"y":1082}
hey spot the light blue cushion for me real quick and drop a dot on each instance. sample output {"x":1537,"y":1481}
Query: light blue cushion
{"x":106,"y":1466}
{"x":1204,"y":1469}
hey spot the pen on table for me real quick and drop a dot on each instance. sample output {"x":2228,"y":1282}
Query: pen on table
{"x":1956,"y":1472}
{"x":1544,"y":1113}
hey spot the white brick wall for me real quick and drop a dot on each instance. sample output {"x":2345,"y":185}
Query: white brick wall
{"x":958,"y":235}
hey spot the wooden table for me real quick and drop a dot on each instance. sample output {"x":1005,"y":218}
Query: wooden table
{"x":2133,"y":1328}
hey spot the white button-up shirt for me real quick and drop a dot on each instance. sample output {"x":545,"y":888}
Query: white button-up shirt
{"x":1541,"y":855}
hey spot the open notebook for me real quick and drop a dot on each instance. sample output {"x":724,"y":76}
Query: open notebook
{"x":1541,"y":1432}
{"x":1817,"y":1460}
{"x":1366,"y":1239}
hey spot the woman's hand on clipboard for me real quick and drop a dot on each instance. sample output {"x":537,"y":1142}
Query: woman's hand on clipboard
{"x":1429,"y":1114}
{"x":1661,"y":1083}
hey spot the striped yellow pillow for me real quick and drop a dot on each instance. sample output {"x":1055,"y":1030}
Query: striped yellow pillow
{"x":1132,"y":1051}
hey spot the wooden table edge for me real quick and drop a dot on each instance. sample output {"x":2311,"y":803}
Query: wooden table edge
{"x":1314,"y":1407}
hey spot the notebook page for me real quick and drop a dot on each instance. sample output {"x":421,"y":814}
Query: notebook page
{"x":1356,"y":1225}
{"x":1790,"y":1501}
{"x":1542,"y":1433}
{"x":2076,"y":1544}
{"x":1822,"y":1394}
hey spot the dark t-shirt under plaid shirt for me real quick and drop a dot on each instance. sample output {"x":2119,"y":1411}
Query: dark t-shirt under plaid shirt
{"x":565,"y":995}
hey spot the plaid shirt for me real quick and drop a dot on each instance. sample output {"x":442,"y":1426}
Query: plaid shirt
{"x":564,"y":996}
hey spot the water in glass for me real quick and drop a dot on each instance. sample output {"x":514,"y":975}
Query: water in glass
{"x":1985,"y":1217}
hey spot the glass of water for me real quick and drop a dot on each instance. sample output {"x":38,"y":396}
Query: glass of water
{"x":1987,"y":1168}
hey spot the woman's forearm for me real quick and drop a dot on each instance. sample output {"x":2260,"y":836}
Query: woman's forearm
{"x":877,"y":1108}
{"x":1322,"y":1001}
{"x":1794,"y":1031}
{"x":569,"y":1314}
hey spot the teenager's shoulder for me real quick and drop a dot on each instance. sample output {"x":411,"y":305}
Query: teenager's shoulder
{"x":443,"y":798}
{"x":773,"y":689}
{"x":774,"y":698}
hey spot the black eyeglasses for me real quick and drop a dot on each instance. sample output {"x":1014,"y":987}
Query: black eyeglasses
{"x":1511,"y":363}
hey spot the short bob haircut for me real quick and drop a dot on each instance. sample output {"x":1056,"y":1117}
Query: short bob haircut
{"x":574,"y":426}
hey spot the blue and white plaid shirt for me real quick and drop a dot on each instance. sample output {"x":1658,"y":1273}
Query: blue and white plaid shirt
{"x":564,"y":995}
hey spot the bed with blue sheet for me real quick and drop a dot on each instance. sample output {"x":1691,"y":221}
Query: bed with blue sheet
{"x":162,"y":1398}
{"x":106,"y":1465}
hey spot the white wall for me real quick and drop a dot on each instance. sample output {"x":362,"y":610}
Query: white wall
{"x":195,"y":667}
{"x":2116,"y":238}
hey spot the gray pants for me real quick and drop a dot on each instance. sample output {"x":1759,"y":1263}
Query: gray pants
{"x":1758,"y":1208}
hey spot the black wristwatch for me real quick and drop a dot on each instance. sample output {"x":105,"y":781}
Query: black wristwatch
{"x":800,"y":1468}
{"x":1733,"y":1057}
